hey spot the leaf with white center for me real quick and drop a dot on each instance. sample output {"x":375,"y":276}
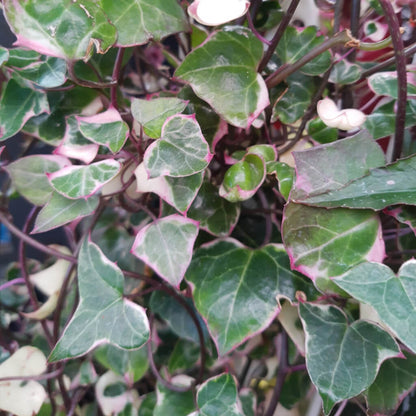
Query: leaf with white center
{"x":107,"y":129}
{"x":393,"y":297}
{"x":295,"y":44}
{"x":342,"y":359}
{"x":223,"y":72}
{"x":178,"y":192}
{"x":385,"y":83}
{"x":28,"y":176}
{"x":166,"y":246}
{"x":22,"y":399}
{"x":215,"y":214}
{"x":394,"y":381}
{"x":235,"y":289}
{"x":59,"y":211}
{"x":103,"y":315}
{"x":50,"y":73}
{"x":181,"y":151}
{"x":69,"y":32}
{"x":17,"y":105}
{"x":83,"y":181}
{"x":138,"y":21}
{"x":325,"y":243}
{"x":152,"y":114}
{"x":218,"y":396}
{"x":314,"y":175}
{"x":75,"y":145}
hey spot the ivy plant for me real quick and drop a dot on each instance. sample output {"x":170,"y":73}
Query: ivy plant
{"x":227,"y":192}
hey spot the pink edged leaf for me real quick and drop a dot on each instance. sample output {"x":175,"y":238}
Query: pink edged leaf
{"x":182,"y":150}
{"x":325,"y":243}
{"x":166,"y":246}
{"x":243,"y":179}
{"x":235,"y":289}
{"x":69,"y":32}
{"x":17,"y":105}
{"x":103,"y":316}
{"x":385,"y":83}
{"x":83,"y":181}
{"x":75,"y":145}
{"x":107,"y":129}
{"x":178,"y":192}
{"x":404,"y":214}
{"x":342,"y":359}
{"x":28,"y":175}
{"x":223,"y":72}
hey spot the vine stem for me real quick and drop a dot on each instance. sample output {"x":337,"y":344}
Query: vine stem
{"x":18,"y":281}
{"x":116,"y":76}
{"x":279,"y":33}
{"x":394,"y":27}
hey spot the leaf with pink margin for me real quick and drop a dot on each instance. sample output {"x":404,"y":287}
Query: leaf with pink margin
{"x":181,"y":151}
{"x":75,"y":145}
{"x":103,"y":316}
{"x":69,"y":32}
{"x":404,"y":214}
{"x":223,"y":72}
{"x":323,"y":244}
{"x":178,"y":192}
{"x":28,"y":175}
{"x":76,"y":182}
{"x":235,"y":289}
{"x":385,"y":83}
{"x":243,"y":179}
{"x":166,"y":246}
{"x":107,"y":129}
{"x":17,"y":105}
{"x":342,"y":359}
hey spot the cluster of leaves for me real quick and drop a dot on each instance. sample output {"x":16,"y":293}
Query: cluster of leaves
{"x":204,"y":268}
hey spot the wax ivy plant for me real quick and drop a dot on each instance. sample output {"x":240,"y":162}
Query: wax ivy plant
{"x":234,"y":186}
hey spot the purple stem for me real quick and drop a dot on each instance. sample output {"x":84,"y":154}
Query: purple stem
{"x":17,"y":281}
{"x":394,"y":28}
{"x":116,"y":76}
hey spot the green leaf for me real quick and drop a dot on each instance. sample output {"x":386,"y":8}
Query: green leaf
{"x":381,"y":187}
{"x":176,"y":316}
{"x":385,"y":83}
{"x":295,"y":44}
{"x":28,"y":175}
{"x":107,"y":129}
{"x":215,"y":215}
{"x":392,"y":297}
{"x":235,"y":289}
{"x":350,"y":159}
{"x":243,"y":179}
{"x":382,"y":120}
{"x":17,"y":105}
{"x":218,"y":396}
{"x":148,"y":404}
{"x":248,"y":402}
{"x":82,"y":181}
{"x":50,"y":73}
{"x":326,"y":243}
{"x":60,"y":211}
{"x":132,"y":364}
{"x":178,"y":192}
{"x":345,"y":72}
{"x":60,"y":28}
{"x":294,"y":101}
{"x":394,"y":380}
{"x":184,"y":356}
{"x":404,"y":214}
{"x":223,"y":72}
{"x":182,"y":150}
{"x":285,"y":175}
{"x":342,"y":359}
{"x":138,"y":21}
{"x":21,"y":58}
{"x":102,"y":315}
{"x":152,"y":114}
{"x":4,"y":55}
{"x":173,"y":403}
{"x":321,"y":133}
{"x":166,"y":246}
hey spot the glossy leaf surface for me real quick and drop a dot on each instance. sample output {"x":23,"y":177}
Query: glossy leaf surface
{"x":182,"y":150}
{"x":173,"y":403}
{"x":166,"y":246}
{"x":222,"y":71}
{"x":102,"y":315}
{"x":392,"y":297}
{"x":342,"y":359}
{"x":235,"y":289}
